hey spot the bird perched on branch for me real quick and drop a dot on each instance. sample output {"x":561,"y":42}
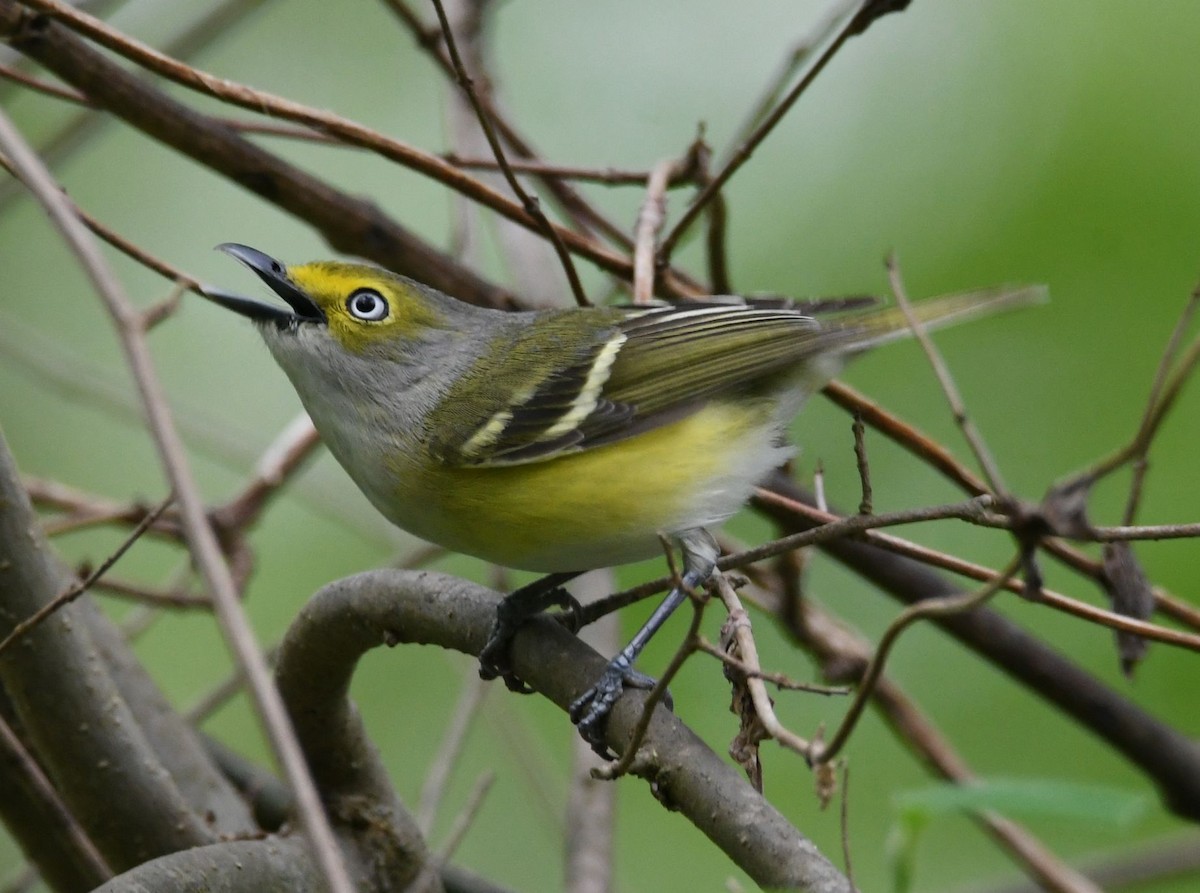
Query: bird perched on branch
{"x":563,"y":440}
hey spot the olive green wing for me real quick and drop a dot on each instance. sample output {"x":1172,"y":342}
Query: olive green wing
{"x":584,"y":378}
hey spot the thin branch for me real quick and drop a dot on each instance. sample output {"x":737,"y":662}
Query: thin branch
{"x":779,"y":680}
{"x":984,"y":456}
{"x":586,"y":216}
{"x":528,"y":202}
{"x":158,"y":598}
{"x":73,"y":592}
{"x":18,"y":761}
{"x":907,"y":436}
{"x":866,"y":504}
{"x":348,"y":131}
{"x":466,"y":709}
{"x":822,"y":752}
{"x":843,"y":655}
{"x":956,"y":565}
{"x":205,"y":550}
{"x":649,"y":224}
{"x":867,"y":12}
{"x":44,"y":87}
{"x":608,"y":176}
{"x":748,"y":649}
{"x":1160,"y":377}
{"x":283,"y":457}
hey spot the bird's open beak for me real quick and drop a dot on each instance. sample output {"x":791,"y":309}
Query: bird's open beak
{"x":275,"y":275}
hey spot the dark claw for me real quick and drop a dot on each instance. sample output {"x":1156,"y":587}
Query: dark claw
{"x":572,"y":615}
{"x":590,"y":710}
{"x":494,"y":658}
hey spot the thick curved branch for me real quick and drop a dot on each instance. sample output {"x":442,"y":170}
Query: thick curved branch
{"x":315,"y":664}
{"x":71,"y":711}
{"x":40,"y":823}
{"x":183,"y":755}
{"x":1171,"y":760}
{"x":236,"y":866}
{"x":351,"y":616}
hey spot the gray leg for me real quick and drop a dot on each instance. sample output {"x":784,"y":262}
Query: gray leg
{"x":590,"y":710}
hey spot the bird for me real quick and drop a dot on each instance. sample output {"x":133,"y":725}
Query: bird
{"x":560,"y":440}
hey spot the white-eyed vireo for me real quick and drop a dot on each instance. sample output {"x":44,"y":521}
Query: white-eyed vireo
{"x":556,"y":440}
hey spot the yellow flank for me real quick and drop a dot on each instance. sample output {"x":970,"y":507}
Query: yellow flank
{"x":600,"y":506}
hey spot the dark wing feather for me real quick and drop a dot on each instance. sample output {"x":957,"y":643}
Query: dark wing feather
{"x":589,"y":377}
{"x":650,"y":367}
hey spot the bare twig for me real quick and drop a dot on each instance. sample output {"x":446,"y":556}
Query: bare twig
{"x":822,"y":752}
{"x":907,"y":436}
{"x":19,"y":761}
{"x":44,"y":87}
{"x":465,"y":710}
{"x":748,"y":649}
{"x":608,"y":176}
{"x":585,"y":215}
{"x":282,"y":458}
{"x":77,"y":589}
{"x":843,"y":655}
{"x":1160,"y":377}
{"x":529,"y":203}
{"x":866,"y":504}
{"x":649,"y":224}
{"x":855,"y":24}
{"x":205,"y":550}
{"x":990,"y":469}
{"x":779,"y":680}
{"x":348,"y":131}
{"x":956,"y":565}
{"x":158,"y":598}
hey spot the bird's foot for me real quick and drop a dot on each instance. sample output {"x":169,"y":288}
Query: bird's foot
{"x":494,"y":659}
{"x":589,"y":712}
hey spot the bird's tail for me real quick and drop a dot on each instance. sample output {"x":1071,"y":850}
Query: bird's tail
{"x":860,"y":332}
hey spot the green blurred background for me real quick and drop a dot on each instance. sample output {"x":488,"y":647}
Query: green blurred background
{"x":984,"y":142}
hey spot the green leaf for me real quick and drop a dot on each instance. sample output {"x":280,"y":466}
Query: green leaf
{"x":1025,"y":797}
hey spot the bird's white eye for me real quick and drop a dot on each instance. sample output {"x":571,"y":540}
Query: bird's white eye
{"x":367,"y":304}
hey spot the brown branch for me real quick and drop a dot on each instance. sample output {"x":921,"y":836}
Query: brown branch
{"x":77,"y":589}
{"x":586,"y":216}
{"x":356,"y":614}
{"x":347,"y":223}
{"x":821,"y":752}
{"x":1163,"y":754}
{"x":528,"y":202}
{"x":842,"y":656}
{"x":31,"y":37}
{"x":867,"y":13}
{"x":649,"y":224}
{"x":201,"y":540}
{"x":991,"y":470}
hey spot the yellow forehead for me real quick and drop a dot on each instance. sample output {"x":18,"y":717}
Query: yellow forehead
{"x":331,"y":286}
